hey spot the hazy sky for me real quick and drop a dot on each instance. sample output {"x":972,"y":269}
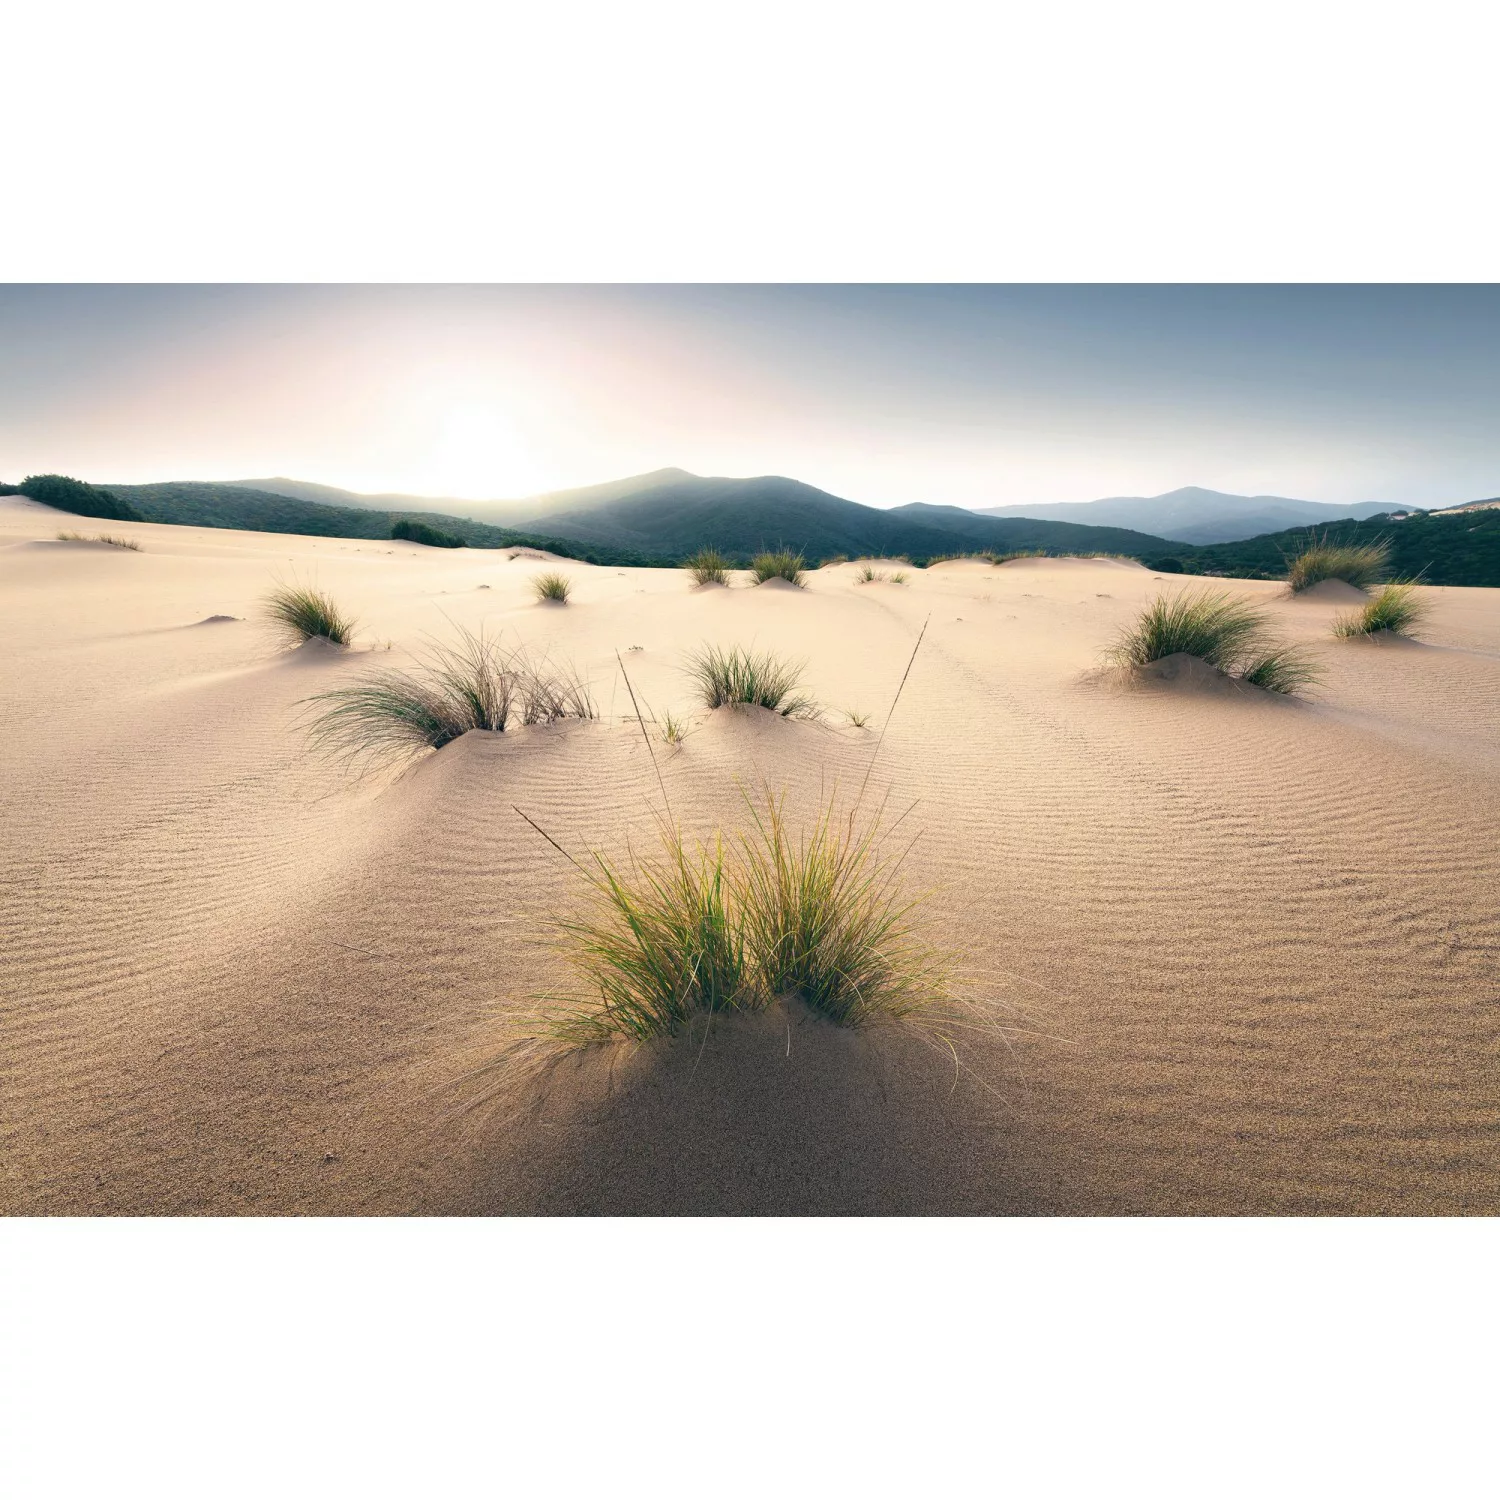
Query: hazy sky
{"x":949,"y":394}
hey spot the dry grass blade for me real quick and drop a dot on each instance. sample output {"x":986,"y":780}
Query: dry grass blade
{"x":302,"y":613}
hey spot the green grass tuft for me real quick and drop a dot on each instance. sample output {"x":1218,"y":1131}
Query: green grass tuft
{"x":1397,"y":608}
{"x":755,"y":677}
{"x":1226,"y":632}
{"x":826,"y":919}
{"x":782,"y":564}
{"x":672,"y":728}
{"x":898,"y":577}
{"x":689,"y":933}
{"x":867,"y":574}
{"x":301,"y":612}
{"x":1361,"y":566}
{"x":708,"y":566}
{"x":476,"y":684}
{"x":659,"y":945}
{"x":555,"y":586}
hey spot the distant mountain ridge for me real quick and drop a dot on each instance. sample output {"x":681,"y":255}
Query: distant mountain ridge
{"x":1195,"y":515}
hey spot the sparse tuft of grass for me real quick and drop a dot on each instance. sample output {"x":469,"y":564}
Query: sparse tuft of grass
{"x":554,"y":586}
{"x":867,"y":574}
{"x":672,"y":728}
{"x":112,"y":541}
{"x":659,"y":945}
{"x":1361,"y":566}
{"x":825,"y":918}
{"x":1228,"y":633}
{"x":1397,"y":608}
{"x":997,"y":558}
{"x":476,"y":684}
{"x":301,"y":612}
{"x":756,"y":677}
{"x":898,"y":577}
{"x":708,"y":566}
{"x":856,"y":719}
{"x":1281,"y":669}
{"x":782,"y":564}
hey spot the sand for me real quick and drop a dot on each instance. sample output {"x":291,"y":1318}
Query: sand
{"x":1245,"y":948}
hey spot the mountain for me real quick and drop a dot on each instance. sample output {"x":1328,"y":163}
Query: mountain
{"x":239,"y":508}
{"x":670,"y":513}
{"x":1195,"y":515}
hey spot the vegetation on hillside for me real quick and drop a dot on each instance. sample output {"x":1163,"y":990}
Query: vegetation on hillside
{"x":78,"y":498}
{"x":429,"y":536}
{"x":1461,"y":549}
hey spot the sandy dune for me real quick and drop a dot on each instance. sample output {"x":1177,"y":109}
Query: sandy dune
{"x":1248,"y":946}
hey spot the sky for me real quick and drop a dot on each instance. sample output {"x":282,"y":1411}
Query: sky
{"x":962,"y":395}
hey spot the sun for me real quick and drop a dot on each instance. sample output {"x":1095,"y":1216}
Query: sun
{"x":477,"y":454}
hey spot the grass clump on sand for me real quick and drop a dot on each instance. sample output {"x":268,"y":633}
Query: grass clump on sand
{"x":659,"y":945}
{"x":867,"y":574}
{"x":760,"y":678}
{"x":782,"y":564}
{"x":1361,"y":566}
{"x":898,"y":577}
{"x":708,"y":566}
{"x":1397,"y":608}
{"x":301,"y":613}
{"x":672,"y":728}
{"x":690,"y":933}
{"x":110,"y":541}
{"x":826,"y":919}
{"x":554,"y":586}
{"x":476,"y":684}
{"x":1228,"y":633}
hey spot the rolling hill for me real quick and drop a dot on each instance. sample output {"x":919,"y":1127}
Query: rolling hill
{"x":1195,"y":515}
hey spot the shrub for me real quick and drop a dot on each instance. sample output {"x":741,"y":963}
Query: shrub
{"x":1167,"y":565}
{"x":429,"y":536}
{"x":755,"y":677}
{"x":553,"y":586}
{"x":660,"y":945}
{"x":73,"y":495}
{"x":10,"y":489}
{"x":474,"y":685}
{"x":782,"y":564}
{"x":1228,"y":633}
{"x":1361,"y":566}
{"x":708,"y":566}
{"x":1397,"y":608}
{"x":301,"y":612}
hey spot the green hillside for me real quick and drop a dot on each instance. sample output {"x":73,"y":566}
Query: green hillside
{"x":1460,"y":548}
{"x":195,"y":503}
